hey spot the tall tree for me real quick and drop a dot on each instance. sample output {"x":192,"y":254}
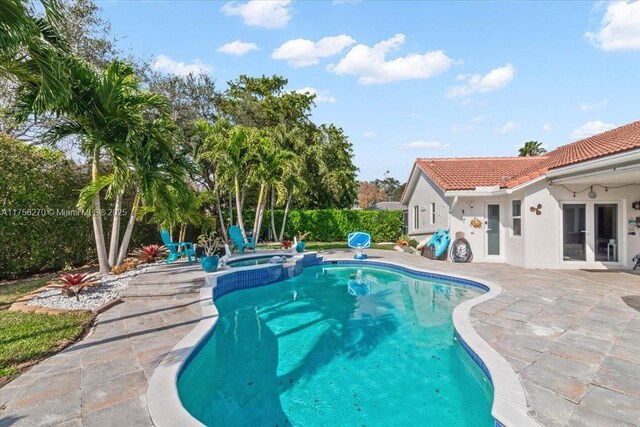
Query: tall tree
{"x":106,"y":114}
{"x":531,"y":148}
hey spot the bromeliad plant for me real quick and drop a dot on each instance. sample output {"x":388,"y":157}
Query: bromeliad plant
{"x":72,"y":284}
{"x":150,"y":253}
{"x":286,"y":244}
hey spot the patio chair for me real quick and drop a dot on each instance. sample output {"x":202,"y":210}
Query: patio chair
{"x":238,"y":241}
{"x":176,"y":250}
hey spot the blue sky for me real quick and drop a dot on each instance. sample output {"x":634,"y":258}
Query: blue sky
{"x":414,"y":79}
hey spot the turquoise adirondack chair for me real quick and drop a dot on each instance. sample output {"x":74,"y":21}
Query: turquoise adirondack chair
{"x":236,"y":237}
{"x":176,"y":250}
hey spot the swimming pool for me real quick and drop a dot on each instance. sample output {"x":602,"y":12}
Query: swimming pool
{"x":312,"y":351}
{"x":258,"y":260}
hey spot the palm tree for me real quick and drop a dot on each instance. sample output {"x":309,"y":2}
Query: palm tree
{"x":106,"y":113}
{"x":270,"y":169}
{"x":532,"y":148}
{"x":235,"y":156}
{"x":33,"y":52}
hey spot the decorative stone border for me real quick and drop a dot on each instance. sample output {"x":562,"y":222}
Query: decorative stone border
{"x":22,"y":306}
{"x":509,"y":401}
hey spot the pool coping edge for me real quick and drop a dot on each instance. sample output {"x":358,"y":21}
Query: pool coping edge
{"x":509,"y":406}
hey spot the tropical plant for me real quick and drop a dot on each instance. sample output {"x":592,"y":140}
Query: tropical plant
{"x":531,"y":148}
{"x":210,"y":243}
{"x":286,"y":244}
{"x":72,"y":284}
{"x":302,"y":235}
{"x":150,"y":253}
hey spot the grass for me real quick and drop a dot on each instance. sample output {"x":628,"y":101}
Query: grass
{"x":12,"y":291}
{"x":26,"y":338}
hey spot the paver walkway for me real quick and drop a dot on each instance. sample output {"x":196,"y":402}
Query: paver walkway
{"x":573,"y":341}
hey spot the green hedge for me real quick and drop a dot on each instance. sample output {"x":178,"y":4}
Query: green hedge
{"x":32,"y":180}
{"x":329,"y":225}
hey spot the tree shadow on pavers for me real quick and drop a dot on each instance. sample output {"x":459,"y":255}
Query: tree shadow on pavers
{"x":87,"y":344}
{"x":144,"y":313}
{"x":8,"y":420}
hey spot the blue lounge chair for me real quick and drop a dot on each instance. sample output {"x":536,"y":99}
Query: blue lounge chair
{"x":236,"y":237}
{"x":176,"y":250}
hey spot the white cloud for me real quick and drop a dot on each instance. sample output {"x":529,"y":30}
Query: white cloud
{"x":369,"y":134}
{"x":475,"y":83}
{"x":303,"y":52}
{"x":508,"y":127}
{"x":478,"y":119}
{"x":413,"y":145}
{"x":591,"y":128}
{"x":237,"y":48}
{"x":547,"y":127}
{"x":619,"y":28}
{"x":586,"y":106}
{"x":371,"y":66}
{"x":165,"y":64}
{"x":258,"y":13}
{"x":320,"y":96}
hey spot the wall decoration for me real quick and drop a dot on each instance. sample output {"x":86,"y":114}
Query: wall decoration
{"x":537,"y":209}
{"x":476,"y":223}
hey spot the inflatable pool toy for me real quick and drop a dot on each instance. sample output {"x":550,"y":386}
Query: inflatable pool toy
{"x":440,"y":242}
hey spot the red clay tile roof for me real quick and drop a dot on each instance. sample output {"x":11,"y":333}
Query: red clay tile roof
{"x":509,"y":172}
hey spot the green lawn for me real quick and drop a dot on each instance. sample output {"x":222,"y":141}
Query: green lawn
{"x":26,"y":338}
{"x":12,"y":291}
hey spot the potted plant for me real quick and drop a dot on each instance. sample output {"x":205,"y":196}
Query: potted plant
{"x":300,"y":238}
{"x":210,"y":243}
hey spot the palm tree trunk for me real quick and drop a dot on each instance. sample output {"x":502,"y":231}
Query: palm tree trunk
{"x":115,"y":231}
{"x":230,"y":209}
{"x":124,"y":245}
{"x":273,"y":218}
{"x":239,"y":207}
{"x":284,"y":217}
{"x":257,"y":223}
{"x":221,"y":217}
{"x":98,"y":232}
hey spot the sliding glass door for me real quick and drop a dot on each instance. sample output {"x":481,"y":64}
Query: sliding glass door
{"x":606,"y":232}
{"x":574,"y":232}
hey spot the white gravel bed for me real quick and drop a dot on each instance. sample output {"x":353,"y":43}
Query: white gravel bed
{"x":111,"y":287}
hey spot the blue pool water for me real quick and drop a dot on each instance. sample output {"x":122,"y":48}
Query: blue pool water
{"x":254,"y":261}
{"x":325,"y":349}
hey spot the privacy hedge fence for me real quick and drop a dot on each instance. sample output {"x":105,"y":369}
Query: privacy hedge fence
{"x":330,"y":225}
{"x":38,"y":186}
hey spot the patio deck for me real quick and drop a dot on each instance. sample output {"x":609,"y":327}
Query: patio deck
{"x":572,"y":340}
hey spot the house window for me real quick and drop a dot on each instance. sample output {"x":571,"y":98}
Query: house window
{"x":517,"y":219}
{"x":433,"y":213}
{"x":416,"y":217}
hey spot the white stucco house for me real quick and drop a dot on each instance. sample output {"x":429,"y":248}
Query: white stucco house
{"x":577,"y":206}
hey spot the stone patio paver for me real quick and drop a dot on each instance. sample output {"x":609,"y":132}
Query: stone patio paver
{"x":572,"y":340}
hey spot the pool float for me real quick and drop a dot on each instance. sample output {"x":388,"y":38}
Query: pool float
{"x":440,"y":242}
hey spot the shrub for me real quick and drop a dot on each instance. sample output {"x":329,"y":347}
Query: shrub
{"x":330,"y":225}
